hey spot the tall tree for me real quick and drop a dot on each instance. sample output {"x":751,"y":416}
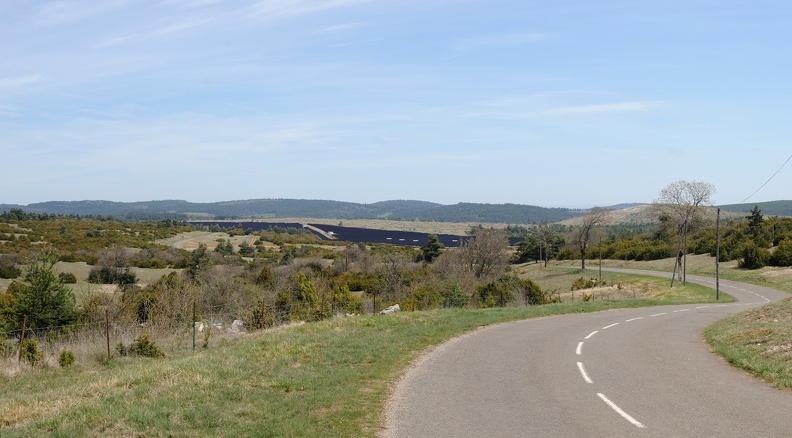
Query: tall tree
{"x":755,"y":220}
{"x":583,"y":234}
{"x":432,"y":249}
{"x":684,"y":202}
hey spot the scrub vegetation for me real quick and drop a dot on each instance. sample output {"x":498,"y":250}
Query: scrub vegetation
{"x":110,"y":311}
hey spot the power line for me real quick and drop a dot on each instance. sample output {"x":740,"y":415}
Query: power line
{"x":768,"y":180}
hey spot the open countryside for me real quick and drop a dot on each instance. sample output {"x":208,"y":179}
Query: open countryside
{"x":278,"y":304}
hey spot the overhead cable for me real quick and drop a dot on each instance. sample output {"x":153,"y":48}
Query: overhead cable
{"x":768,"y":180}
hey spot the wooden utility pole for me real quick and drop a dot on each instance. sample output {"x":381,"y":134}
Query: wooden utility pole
{"x":600,"y":261}
{"x":717,"y":256}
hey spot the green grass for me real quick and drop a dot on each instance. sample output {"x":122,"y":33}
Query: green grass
{"x":757,"y":340}
{"x":772,"y":277}
{"x":322,"y":379}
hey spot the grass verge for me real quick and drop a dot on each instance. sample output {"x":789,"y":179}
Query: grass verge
{"x":758,"y":341}
{"x":328,"y":379}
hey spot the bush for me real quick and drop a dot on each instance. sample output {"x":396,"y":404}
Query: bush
{"x":782,"y":256}
{"x":753,"y":257}
{"x":7,"y":348}
{"x":66,"y":358}
{"x":583,"y":283}
{"x":122,"y":349}
{"x":67,"y":278}
{"x":9,"y":271}
{"x":31,"y":353}
{"x":143,"y":346}
{"x":453,"y":296}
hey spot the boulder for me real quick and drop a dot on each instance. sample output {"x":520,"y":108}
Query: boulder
{"x":392,"y":309}
{"x":237,"y":327}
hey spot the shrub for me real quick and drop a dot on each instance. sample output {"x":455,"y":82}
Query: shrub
{"x":9,"y":271}
{"x":753,"y":257}
{"x":453,"y":296}
{"x":122,"y":349}
{"x":584,"y":283}
{"x":67,"y":278}
{"x":493,"y":294}
{"x":31,"y":353}
{"x":782,"y":256}
{"x":66,"y":358}
{"x":143,"y":346}
{"x":7,"y":348}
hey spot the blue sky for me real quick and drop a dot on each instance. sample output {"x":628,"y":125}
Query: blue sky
{"x":550,"y":103}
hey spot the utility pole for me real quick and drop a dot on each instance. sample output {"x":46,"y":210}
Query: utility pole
{"x":717,"y":256}
{"x":600,"y":260}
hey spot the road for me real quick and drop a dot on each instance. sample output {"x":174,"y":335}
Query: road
{"x":621,"y":373}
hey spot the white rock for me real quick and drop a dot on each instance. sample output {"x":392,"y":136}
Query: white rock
{"x":237,"y":327}
{"x":392,"y":309}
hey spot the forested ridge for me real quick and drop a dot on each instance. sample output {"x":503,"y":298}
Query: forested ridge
{"x":321,"y":209}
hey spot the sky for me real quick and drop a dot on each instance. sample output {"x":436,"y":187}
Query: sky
{"x":550,"y":103}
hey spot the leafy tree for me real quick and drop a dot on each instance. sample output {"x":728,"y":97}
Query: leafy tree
{"x":432,"y":249}
{"x":527,"y":250}
{"x":43,"y":298}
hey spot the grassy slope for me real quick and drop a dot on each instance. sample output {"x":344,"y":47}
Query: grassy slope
{"x":757,"y":340}
{"x":322,"y":379}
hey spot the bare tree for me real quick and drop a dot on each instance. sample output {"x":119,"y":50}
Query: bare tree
{"x":596,"y":217}
{"x":683,"y":202}
{"x":485,"y":255}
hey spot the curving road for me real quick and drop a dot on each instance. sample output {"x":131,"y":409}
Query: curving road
{"x":621,"y":373}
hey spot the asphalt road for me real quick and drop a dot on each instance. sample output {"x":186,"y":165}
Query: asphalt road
{"x":621,"y":373}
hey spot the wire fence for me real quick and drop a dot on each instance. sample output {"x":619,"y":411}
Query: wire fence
{"x":100,"y":340}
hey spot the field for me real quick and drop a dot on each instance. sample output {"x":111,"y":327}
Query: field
{"x":329,"y":378}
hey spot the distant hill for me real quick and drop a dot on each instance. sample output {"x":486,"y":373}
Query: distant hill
{"x":320,"y":209}
{"x":769,"y":208}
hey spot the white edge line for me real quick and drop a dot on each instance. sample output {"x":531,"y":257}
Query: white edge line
{"x":609,"y":326}
{"x":579,"y":351}
{"x":683,"y":310}
{"x":634,"y":319}
{"x":583,"y":371}
{"x":702,"y":307}
{"x":658,"y":314}
{"x":620,"y":412}
{"x":592,"y":334}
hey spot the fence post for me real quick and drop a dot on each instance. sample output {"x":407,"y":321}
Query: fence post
{"x":22,"y":338}
{"x":193,"y":327}
{"x":107,"y":333}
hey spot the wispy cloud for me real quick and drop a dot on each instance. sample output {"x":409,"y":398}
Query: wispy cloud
{"x":65,"y":11}
{"x":502,"y":40}
{"x":596,"y":109}
{"x":279,"y":9}
{"x":153,"y":33}
{"x":17,"y":81}
{"x":342,"y":27}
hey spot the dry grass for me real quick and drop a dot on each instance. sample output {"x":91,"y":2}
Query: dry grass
{"x":758,"y":340}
